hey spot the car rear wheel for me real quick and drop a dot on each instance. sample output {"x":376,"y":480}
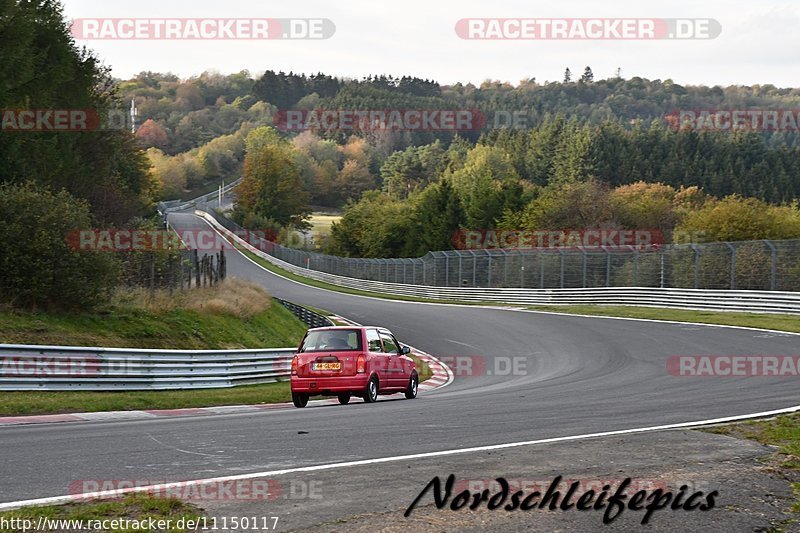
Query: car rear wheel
{"x":344,"y":398}
{"x":299,"y":399}
{"x":371,"y":394}
{"x":413,"y":387}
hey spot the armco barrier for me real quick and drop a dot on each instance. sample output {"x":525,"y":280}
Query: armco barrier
{"x":176,"y":205}
{"x":26,"y":367}
{"x":309,"y":317}
{"x":718,"y":300}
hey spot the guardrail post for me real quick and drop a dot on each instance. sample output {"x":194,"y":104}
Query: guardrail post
{"x":608,"y":266}
{"x":561,"y":261}
{"x":661,"y":253}
{"x":446,"y":270}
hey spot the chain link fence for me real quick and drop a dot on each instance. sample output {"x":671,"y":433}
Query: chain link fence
{"x":745,"y":265}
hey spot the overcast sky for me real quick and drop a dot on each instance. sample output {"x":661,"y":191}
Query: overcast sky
{"x":758,"y":43}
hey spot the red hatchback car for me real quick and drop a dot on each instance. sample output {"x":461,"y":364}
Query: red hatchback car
{"x":347,"y":361}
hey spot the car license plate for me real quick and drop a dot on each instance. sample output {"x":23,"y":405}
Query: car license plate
{"x":327,"y":366}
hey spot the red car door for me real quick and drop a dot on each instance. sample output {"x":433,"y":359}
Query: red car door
{"x":377,"y":359}
{"x":396,"y":370}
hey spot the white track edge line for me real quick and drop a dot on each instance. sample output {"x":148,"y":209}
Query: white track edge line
{"x":55,"y":500}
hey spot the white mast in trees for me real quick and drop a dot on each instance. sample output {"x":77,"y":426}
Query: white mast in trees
{"x":133,"y":116}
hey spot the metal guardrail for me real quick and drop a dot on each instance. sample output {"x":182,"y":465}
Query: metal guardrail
{"x":719,"y":300}
{"x":61,"y":368}
{"x":177,"y":205}
{"x":309,"y":317}
{"x":746,"y":265}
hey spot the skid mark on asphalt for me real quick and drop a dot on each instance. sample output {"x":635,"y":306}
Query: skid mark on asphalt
{"x":151,"y":437}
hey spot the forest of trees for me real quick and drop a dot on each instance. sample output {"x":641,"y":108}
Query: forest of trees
{"x":54,"y":182}
{"x":198,"y":109}
{"x":590,"y":152}
{"x":614,"y":129}
{"x":558,"y":176}
{"x":604,"y":134}
{"x":105,"y":168}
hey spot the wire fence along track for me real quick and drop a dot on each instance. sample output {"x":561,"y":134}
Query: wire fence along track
{"x":720,"y":300}
{"x":53,"y":368}
{"x":748,"y":265}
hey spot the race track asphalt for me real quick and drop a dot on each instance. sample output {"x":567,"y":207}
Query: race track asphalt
{"x":575,"y":375}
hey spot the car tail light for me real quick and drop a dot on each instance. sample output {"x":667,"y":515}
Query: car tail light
{"x":294,"y":365}
{"x":361,"y":364}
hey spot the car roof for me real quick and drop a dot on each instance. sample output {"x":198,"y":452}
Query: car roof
{"x":348,"y":327}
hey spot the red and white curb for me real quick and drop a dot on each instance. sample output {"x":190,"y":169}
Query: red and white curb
{"x":441,"y":375}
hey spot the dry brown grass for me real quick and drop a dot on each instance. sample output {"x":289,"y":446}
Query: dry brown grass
{"x":234,"y":297}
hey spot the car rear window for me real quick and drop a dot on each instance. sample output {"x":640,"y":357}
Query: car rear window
{"x":332,"y":340}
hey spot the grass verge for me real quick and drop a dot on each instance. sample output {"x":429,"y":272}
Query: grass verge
{"x":16,"y":403}
{"x":423,"y":370}
{"x":751,"y":320}
{"x":131,"y":322}
{"x":232,"y":315}
{"x":229,"y":316}
{"x":175,"y":513}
